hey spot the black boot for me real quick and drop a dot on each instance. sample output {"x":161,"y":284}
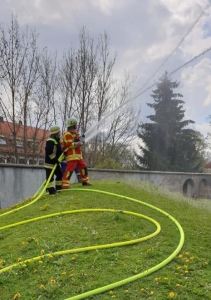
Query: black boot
{"x":86,"y":183}
{"x":52,"y":191}
{"x":58,"y":187}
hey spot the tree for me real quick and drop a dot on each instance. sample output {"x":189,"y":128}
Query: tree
{"x":19,"y":66}
{"x":88,"y":91}
{"x":167,"y":144}
{"x":27,"y":86}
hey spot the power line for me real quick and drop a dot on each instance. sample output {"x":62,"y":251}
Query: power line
{"x":181,"y":41}
{"x":174,"y":71}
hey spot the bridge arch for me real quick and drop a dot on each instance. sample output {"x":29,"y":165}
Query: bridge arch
{"x":203,"y":188}
{"x":189,"y":188}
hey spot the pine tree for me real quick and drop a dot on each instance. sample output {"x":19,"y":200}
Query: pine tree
{"x":167,"y":144}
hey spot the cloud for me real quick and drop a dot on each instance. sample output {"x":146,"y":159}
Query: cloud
{"x":143,"y":33}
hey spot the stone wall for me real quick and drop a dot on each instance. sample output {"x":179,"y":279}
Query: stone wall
{"x":18,"y":182}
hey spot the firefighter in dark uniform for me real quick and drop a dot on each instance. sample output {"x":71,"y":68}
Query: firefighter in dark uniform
{"x":53,"y":151}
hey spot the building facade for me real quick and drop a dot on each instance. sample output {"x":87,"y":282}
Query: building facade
{"x":22,"y":144}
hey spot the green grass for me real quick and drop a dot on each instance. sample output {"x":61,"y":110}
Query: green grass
{"x":187,"y":276}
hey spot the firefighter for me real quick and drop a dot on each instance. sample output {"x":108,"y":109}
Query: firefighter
{"x":77,"y":171}
{"x":53,"y":151}
{"x":71,"y":145}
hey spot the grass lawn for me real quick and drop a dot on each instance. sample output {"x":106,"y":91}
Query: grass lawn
{"x":82,"y":240}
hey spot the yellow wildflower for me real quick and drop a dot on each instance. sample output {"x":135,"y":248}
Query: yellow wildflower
{"x":64,"y":273}
{"x":171,"y":295}
{"x":16,"y":296}
{"x":52,"y":281}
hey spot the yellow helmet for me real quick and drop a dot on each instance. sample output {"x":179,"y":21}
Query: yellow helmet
{"x":71,"y":122}
{"x":55,"y":129}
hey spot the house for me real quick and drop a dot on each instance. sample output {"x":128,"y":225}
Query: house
{"x":22,"y":144}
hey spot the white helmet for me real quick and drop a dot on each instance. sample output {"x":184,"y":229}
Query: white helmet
{"x":71,"y":122}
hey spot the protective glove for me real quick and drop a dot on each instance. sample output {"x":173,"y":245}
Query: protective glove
{"x":82,"y":139}
{"x":78,"y":144}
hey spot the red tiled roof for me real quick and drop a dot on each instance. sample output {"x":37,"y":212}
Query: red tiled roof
{"x":208,"y":165}
{"x":6,"y":129}
{"x":33,"y":134}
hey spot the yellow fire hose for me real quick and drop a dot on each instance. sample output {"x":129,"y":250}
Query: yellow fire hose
{"x":114,"y":285}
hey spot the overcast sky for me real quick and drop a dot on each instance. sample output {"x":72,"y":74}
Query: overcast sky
{"x":144,"y":33}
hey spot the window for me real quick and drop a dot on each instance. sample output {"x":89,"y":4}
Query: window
{"x":22,"y":161}
{"x":2,"y":142}
{"x":32,"y":161}
{"x":2,"y":160}
{"x":19,"y":144}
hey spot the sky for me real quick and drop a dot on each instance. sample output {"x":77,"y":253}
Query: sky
{"x":149,"y":37}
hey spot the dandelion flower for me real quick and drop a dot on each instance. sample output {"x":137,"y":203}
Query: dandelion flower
{"x":52,"y":281}
{"x":171,"y":295}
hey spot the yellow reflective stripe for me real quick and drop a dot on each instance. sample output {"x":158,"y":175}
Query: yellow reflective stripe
{"x":48,"y":166}
{"x":65,"y":181}
{"x":73,"y":157}
{"x":55,"y":141}
{"x":50,"y":185}
{"x":52,"y":156}
{"x":59,"y":182}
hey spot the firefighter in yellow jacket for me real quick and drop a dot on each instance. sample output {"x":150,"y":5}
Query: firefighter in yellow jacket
{"x":53,"y":151}
{"x":71,"y":145}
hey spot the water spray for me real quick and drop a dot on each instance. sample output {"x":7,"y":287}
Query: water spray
{"x":101,"y":125}
{"x":175,"y":49}
{"x":93,"y":131}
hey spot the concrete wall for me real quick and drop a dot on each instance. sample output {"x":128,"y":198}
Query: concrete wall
{"x":18,"y":182}
{"x":189,"y":184}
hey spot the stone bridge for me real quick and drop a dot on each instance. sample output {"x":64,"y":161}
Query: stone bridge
{"x":17,"y":182}
{"x":196,"y":185}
